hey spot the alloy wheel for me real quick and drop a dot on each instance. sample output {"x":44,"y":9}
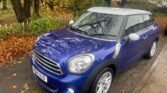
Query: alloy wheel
{"x":104,"y":83}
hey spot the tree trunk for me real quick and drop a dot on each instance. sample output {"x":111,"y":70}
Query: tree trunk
{"x":51,"y":5}
{"x":19,"y":11}
{"x":4,"y":4}
{"x":123,"y":2}
{"x":22,"y":12}
{"x":76,"y":8}
{"x":36,"y":7}
{"x":27,"y":4}
{"x":165,"y":30}
{"x":42,"y":1}
{"x":108,"y":2}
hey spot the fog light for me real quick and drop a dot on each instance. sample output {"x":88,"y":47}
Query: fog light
{"x":70,"y":90}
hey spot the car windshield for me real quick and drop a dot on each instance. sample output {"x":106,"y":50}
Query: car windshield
{"x":105,"y":26}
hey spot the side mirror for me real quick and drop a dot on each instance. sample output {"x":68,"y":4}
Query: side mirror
{"x":134,"y":37}
{"x":71,"y":22}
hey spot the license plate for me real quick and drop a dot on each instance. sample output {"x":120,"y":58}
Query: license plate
{"x":39,"y":74}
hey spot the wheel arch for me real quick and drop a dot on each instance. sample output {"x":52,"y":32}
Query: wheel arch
{"x":114,"y":68}
{"x":157,"y":39}
{"x":110,"y":63}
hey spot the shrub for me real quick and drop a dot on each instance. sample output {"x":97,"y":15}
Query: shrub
{"x":82,"y":5}
{"x":141,"y":4}
{"x":11,"y":29}
{"x":35,"y":27}
{"x":46,"y":24}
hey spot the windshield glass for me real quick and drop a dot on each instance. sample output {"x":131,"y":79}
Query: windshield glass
{"x":105,"y":26}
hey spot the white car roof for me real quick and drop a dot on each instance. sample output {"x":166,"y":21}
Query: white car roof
{"x":118,"y":11}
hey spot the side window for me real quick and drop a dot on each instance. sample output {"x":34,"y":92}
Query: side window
{"x":134,"y":24}
{"x":148,"y":20}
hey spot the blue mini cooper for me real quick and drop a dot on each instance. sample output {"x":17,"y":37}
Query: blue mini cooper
{"x":85,"y":57}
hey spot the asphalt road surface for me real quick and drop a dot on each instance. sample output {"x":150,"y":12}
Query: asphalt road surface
{"x":18,"y":78}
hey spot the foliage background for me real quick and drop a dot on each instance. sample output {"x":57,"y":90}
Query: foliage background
{"x":17,"y":39}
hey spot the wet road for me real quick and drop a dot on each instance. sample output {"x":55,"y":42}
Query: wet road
{"x":18,"y":78}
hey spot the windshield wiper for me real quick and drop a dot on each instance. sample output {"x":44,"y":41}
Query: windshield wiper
{"x":102,"y":35}
{"x":91,"y":24}
{"x":78,"y":30}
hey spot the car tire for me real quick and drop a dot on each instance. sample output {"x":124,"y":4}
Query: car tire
{"x":103,"y":81}
{"x":152,"y":50}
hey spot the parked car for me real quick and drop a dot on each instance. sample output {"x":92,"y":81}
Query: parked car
{"x":86,"y":56}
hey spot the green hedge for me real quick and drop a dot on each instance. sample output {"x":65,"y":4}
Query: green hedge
{"x":35,"y":27}
{"x":79,"y":6}
{"x":7,"y":30}
{"x":43,"y":25}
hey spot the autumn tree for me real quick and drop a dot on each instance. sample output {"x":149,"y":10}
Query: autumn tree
{"x":4,"y":4}
{"x":27,"y":5}
{"x":108,"y":2}
{"x":122,"y":3}
{"x":50,"y":4}
{"x":36,"y":7}
{"x":22,"y":12}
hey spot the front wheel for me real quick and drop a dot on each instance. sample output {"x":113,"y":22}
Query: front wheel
{"x":152,"y":50}
{"x":102,"y":83}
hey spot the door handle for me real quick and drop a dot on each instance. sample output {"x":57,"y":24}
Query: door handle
{"x":145,"y":37}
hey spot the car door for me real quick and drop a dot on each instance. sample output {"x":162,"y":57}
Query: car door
{"x":148,"y":33}
{"x":131,"y":50}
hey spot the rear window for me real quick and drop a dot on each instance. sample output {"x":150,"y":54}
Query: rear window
{"x":134,"y":24}
{"x":148,"y":20}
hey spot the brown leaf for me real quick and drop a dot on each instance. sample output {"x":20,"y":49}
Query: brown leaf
{"x":14,"y":87}
{"x":26,"y":87}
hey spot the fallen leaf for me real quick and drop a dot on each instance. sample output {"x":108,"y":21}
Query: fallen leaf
{"x":26,"y":87}
{"x":14,"y":75}
{"x":14,"y":86}
{"x":22,"y":91}
{"x":15,"y":47}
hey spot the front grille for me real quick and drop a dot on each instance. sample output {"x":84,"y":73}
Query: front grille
{"x":47,"y":63}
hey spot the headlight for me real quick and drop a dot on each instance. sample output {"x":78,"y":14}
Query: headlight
{"x":80,"y":63}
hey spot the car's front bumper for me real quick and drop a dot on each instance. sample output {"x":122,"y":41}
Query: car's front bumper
{"x":60,"y":84}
